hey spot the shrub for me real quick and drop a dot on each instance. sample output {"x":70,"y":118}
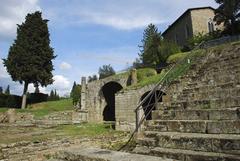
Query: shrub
{"x":145,"y":72}
{"x":12,"y":101}
{"x":201,"y":37}
{"x":176,"y":57}
{"x":36,"y":98}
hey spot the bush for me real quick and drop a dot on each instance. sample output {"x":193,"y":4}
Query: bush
{"x":11,"y":101}
{"x":176,"y":57}
{"x":166,"y":49}
{"x":201,"y":37}
{"x":37,"y":98}
{"x":145,"y":72}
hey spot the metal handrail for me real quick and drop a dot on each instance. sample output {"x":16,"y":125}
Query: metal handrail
{"x":160,"y":84}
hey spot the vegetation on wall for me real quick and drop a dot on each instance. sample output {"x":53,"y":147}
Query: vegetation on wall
{"x":144,"y":73}
{"x":106,"y":71}
{"x":92,"y":78}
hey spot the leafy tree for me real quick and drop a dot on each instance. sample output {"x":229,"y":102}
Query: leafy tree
{"x":149,"y":53}
{"x":7,"y":91}
{"x":92,"y":78}
{"x":166,"y":49}
{"x":105,"y":71}
{"x":76,"y":95}
{"x":30,"y":56}
{"x":228,"y":13}
{"x":74,"y":85}
{"x":1,"y":90}
{"x":137,"y":63}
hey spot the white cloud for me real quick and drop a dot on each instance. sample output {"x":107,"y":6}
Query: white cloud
{"x":119,"y":55}
{"x":124,"y":14}
{"x":3,"y":71}
{"x":61,"y":84}
{"x":65,"y":66}
{"x":12,"y":13}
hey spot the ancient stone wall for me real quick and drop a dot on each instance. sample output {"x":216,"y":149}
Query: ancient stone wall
{"x":55,"y":118}
{"x":126,"y":103}
{"x":95,"y":101}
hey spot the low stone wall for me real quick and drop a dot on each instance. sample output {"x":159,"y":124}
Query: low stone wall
{"x":55,"y":118}
{"x":125,"y":105}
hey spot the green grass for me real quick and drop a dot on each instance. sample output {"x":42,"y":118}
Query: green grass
{"x":85,"y":130}
{"x":3,"y":109}
{"x":144,"y":73}
{"x":176,"y":57}
{"x":36,"y":134}
{"x":45,"y":108}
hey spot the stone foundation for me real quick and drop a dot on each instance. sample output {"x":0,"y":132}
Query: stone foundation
{"x":55,"y":118}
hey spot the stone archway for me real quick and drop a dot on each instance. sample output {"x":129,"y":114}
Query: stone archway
{"x":149,"y":103}
{"x":108,"y":90}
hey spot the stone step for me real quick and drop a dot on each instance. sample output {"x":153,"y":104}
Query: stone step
{"x":220,"y":143}
{"x":189,"y":155}
{"x":195,"y":126}
{"x":201,"y":114}
{"x":96,"y":154}
{"x":214,"y":103}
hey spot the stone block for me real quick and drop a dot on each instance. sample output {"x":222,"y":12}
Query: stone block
{"x":224,"y":127}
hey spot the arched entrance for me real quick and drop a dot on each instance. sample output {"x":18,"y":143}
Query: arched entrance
{"x":108,"y":91}
{"x":149,"y":103}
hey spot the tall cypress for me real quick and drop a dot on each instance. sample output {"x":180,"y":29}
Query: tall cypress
{"x":30,"y":56}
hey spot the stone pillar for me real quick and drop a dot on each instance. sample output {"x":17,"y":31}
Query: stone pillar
{"x":83,"y":94}
{"x":133,"y":76}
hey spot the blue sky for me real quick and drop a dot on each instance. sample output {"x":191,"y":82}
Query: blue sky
{"x":87,"y":34}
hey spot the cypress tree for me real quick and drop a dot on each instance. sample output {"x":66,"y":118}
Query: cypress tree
{"x":74,"y":85}
{"x":36,"y":88}
{"x":7,"y":91}
{"x":76,"y":94}
{"x":51,"y":97}
{"x":30,"y":56}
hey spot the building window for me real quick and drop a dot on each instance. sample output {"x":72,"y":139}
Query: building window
{"x":187,"y":31}
{"x":210,"y":26}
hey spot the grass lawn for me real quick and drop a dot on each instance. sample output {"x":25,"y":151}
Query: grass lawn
{"x":45,"y":108}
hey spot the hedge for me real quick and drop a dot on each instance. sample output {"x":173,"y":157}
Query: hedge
{"x":37,"y":98}
{"x":14,"y":101}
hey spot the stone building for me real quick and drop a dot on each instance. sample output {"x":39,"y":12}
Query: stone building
{"x":190,"y":23}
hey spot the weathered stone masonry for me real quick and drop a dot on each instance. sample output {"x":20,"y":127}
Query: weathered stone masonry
{"x":95,"y":101}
